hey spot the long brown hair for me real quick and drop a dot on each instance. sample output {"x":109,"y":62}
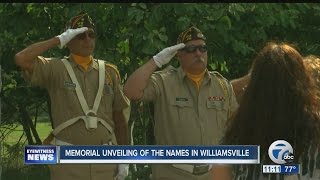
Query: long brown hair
{"x":312,"y":64}
{"x":279,"y":103}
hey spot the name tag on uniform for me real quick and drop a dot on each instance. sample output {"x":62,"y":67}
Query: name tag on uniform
{"x":182,"y":99}
{"x":182,"y":102}
{"x":69,"y":84}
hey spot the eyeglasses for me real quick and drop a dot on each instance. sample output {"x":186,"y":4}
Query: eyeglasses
{"x":192,"y":49}
{"x":82,"y":36}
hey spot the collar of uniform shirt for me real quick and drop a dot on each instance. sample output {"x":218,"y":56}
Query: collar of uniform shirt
{"x":82,"y":61}
{"x":182,"y":75}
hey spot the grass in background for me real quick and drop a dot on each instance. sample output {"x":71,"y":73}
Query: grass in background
{"x":13,"y":167}
{"x":43,"y":129}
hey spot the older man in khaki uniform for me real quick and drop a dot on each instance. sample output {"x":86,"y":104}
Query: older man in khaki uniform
{"x":86,"y":98}
{"x":191,"y":104}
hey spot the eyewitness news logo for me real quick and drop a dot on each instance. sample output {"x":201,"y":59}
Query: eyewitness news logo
{"x":40,"y":155}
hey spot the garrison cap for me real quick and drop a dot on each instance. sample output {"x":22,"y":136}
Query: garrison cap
{"x":192,"y":33}
{"x":80,"y":20}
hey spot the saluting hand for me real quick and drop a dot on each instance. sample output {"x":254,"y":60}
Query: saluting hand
{"x":164,"y":56}
{"x":70,"y":34}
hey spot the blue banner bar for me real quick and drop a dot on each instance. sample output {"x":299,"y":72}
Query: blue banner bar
{"x":160,"y":154}
{"x":142,"y":154}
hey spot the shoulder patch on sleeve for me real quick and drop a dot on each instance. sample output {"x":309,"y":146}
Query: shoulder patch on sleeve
{"x":114,"y":68}
{"x":224,"y":83}
{"x":112,"y":73}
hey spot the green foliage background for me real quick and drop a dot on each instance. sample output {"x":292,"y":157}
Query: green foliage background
{"x":131,"y":33}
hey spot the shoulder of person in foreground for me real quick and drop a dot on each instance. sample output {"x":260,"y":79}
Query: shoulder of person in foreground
{"x":242,"y":81}
{"x":312,"y":64}
{"x":239,"y":85}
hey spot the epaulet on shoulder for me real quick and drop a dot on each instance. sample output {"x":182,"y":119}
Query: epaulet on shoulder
{"x":114,"y":67}
{"x":64,"y":57}
{"x":53,"y":58}
{"x":169,"y":69}
{"x":49,"y":58}
{"x":217,"y":74}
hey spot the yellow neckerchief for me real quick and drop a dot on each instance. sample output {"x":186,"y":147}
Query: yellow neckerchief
{"x":196,"y":78}
{"x":82,"y":61}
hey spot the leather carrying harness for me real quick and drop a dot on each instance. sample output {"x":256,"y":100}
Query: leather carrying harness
{"x":90,"y":115}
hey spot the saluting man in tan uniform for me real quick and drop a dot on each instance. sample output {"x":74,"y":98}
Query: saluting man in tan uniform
{"x":86,"y":98}
{"x":191,"y":104}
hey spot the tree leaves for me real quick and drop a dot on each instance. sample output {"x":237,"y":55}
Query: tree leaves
{"x":233,"y":30}
{"x":135,"y":15}
{"x":123,"y":46}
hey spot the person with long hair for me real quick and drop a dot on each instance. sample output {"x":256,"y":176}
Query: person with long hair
{"x":312,"y":64}
{"x":239,"y":86}
{"x":280,"y":103}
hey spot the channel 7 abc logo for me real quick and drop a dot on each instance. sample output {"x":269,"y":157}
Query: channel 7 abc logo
{"x":281,"y":152}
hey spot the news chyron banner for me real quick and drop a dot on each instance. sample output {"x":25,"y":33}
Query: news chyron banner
{"x":142,"y":154}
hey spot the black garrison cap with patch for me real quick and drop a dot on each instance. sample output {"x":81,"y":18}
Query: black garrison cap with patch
{"x":192,"y":33}
{"x":80,"y":20}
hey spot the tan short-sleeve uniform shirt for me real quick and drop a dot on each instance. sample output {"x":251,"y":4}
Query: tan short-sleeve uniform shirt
{"x":51,"y":74}
{"x":185,"y":116}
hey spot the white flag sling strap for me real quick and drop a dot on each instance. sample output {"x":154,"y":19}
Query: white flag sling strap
{"x":90,"y":115}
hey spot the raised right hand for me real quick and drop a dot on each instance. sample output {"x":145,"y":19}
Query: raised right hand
{"x":164,"y":56}
{"x":70,"y":34}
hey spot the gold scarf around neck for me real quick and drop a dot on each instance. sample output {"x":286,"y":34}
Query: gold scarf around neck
{"x":196,"y":78}
{"x":82,"y":61}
